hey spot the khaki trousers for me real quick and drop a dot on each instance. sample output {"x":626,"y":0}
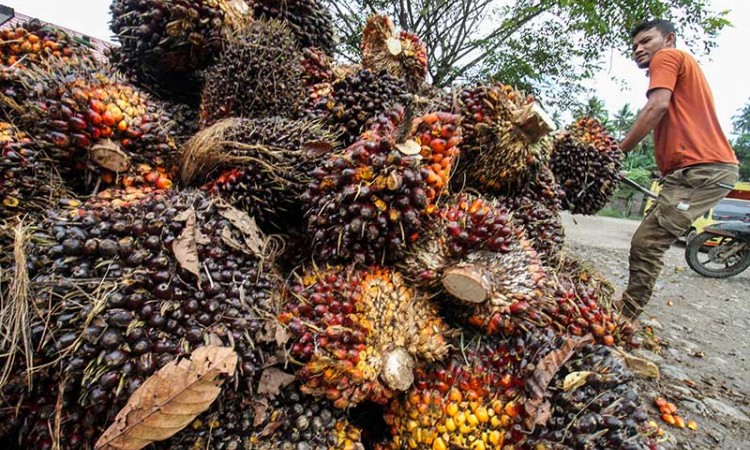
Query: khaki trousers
{"x":686,"y":194}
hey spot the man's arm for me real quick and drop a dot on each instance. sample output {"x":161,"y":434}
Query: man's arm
{"x":648,"y":118}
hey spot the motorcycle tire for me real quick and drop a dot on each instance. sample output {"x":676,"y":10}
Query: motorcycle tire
{"x":694,"y":247}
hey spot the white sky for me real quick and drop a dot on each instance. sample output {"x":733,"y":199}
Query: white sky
{"x":727,"y":68}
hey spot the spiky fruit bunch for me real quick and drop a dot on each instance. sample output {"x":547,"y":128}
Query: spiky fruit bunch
{"x":28,"y":181}
{"x":605,"y":412}
{"x":183,"y":120}
{"x":536,"y":209}
{"x":465,"y":223}
{"x":439,"y":135}
{"x":359,"y":333}
{"x":351,"y":102}
{"x":290,"y":420}
{"x":317,"y":67}
{"x":586,"y":161}
{"x":257,"y":75}
{"x":504,"y":139}
{"x":260,"y":166}
{"x":34,"y":41}
{"x":584,"y":303}
{"x":370,"y":204}
{"x":133,"y":280}
{"x":165,"y":41}
{"x":504,"y":291}
{"x":402,"y":54}
{"x":473,"y":400}
{"x":90,"y":119}
{"x":309,"y":20}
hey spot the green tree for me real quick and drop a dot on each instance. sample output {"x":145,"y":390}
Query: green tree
{"x":595,"y":108}
{"x":741,"y":143}
{"x":547,"y":47}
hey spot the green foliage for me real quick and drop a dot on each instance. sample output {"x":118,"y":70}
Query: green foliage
{"x":741,"y":143}
{"x":547,"y":47}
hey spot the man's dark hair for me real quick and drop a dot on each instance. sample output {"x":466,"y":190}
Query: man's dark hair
{"x":664,"y":26}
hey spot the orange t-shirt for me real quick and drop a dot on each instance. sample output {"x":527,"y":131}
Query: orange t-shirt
{"x":689,"y":133}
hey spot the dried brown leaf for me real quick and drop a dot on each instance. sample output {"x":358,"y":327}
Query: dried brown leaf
{"x":315,"y":149}
{"x":246,"y":225}
{"x":273,"y":380}
{"x":185,"y":247}
{"x":170,"y":399}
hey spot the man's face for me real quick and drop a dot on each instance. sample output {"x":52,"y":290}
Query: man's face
{"x":647,"y":43}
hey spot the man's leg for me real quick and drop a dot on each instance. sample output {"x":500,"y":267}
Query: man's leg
{"x":647,"y":249}
{"x":686,"y":195}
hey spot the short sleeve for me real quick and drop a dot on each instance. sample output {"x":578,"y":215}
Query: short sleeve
{"x":664,"y":70}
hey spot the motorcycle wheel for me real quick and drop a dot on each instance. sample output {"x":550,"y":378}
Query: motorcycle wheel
{"x":708,"y":261}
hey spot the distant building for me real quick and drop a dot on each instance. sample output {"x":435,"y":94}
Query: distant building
{"x":9,"y":18}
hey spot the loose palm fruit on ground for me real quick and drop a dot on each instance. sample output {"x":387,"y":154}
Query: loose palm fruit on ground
{"x":465,"y":223}
{"x":134,"y":279}
{"x":371,"y":203}
{"x":317,"y":67}
{"x":402,"y":54}
{"x":473,"y":400}
{"x":359,"y":333}
{"x":163,"y":42}
{"x":353,"y":101}
{"x":309,"y":20}
{"x":536,"y":209}
{"x":261,"y":166}
{"x":258,"y":74}
{"x":29,"y":182}
{"x":90,"y":121}
{"x":505,"y":138}
{"x":586,"y":161}
{"x":605,"y":412}
{"x":33,"y":41}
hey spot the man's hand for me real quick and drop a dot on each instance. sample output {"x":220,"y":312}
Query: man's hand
{"x":649,"y":117}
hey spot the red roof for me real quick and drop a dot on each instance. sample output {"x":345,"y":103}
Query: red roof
{"x":98,"y":47}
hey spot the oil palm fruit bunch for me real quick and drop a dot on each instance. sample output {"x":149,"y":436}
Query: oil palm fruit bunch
{"x":183,"y":120}
{"x":33,"y":41}
{"x":350,"y":103}
{"x":371,"y":203}
{"x":536,"y":208}
{"x":317,"y":67}
{"x":28,"y":180}
{"x":465,"y":223}
{"x":260,"y":166}
{"x":401,"y":54}
{"x":257,"y":75}
{"x":605,"y":412}
{"x":359,"y":333}
{"x":88,"y":118}
{"x":473,"y":400}
{"x":309,"y":20}
{"x":289,"y":420}
{"x":505,"y":138}
{"x":586,"y":161}
{"x":134,"y":279}
{"x":584,"y":303}
{"x":164,"y":42}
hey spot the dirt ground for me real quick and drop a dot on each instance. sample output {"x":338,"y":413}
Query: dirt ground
{"x":703,"y":325}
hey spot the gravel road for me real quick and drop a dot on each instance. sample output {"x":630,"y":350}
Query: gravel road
{"x":703,"y":323}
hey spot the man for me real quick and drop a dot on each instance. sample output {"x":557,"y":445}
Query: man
{"x":697,"y":164}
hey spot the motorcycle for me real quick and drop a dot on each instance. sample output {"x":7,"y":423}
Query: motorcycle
{"x":722,"y":250}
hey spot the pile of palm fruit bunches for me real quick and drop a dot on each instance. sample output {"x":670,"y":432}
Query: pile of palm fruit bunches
{"x":387,"y":265}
